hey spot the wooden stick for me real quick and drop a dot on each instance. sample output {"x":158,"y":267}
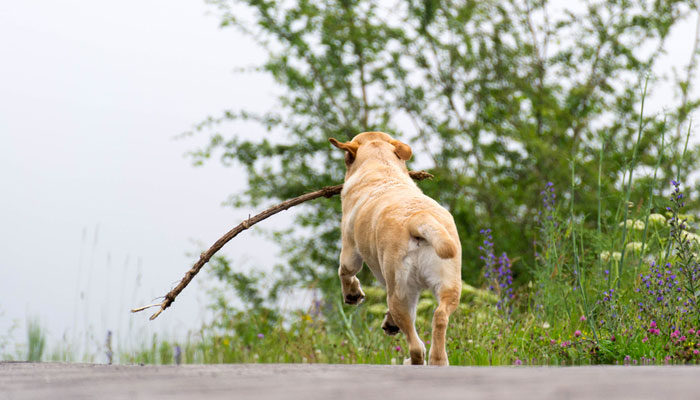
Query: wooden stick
{"x":328,"y":191}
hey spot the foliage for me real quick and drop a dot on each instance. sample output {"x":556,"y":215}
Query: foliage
{"x":496,"y":97}
{"x":36,"y":339}
{"x":532,"y":122}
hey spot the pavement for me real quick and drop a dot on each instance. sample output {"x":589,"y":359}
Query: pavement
{"x":337,"y":382}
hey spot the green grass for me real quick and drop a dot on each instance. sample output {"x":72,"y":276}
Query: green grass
{"x":36,"y":340}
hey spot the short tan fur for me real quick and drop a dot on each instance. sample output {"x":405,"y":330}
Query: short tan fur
{"x":407,"y":239}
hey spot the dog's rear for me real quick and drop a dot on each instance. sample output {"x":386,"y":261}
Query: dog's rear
{"x":423,"y":225}
{"x":407,"y":239}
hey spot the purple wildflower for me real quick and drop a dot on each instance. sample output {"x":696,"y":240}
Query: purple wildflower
{"x":498,"y":272}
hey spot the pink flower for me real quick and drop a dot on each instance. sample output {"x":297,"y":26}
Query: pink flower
{"x":517,"y":362}
{"x":577,"y":333}
{"x":675,"y":333}
{"x":612,"y":338}
{"x":691,"y":331}
{"x":644,"y":340}
{"x":652,"y":325}
{"x":342,"y":357}
{"x":583,"y":318}
{"x":552,"y":341}
{"x":682,"y":338}
{"x":696,"y":352}
{"x":397,"y":348}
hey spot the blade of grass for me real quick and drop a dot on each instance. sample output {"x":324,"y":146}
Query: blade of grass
{"x":600,"y":200}
{"x":678,"y":178}
{"x":629,"y":181}
{"x":347,"y":325}
{"x":685,"y":149}
{"x":600,"y":173}
{"x":651,"y":196}
{"x":573,"y":241}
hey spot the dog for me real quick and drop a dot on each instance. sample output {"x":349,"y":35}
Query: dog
{"x":409,"y":242}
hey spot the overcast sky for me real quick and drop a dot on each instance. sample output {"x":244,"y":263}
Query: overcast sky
{"x":99,"y":208}
{"x":92,"y":94}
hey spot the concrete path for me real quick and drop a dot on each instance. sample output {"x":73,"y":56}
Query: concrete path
{"x":336,"y":382}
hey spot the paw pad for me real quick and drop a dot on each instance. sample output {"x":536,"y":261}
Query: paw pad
{"x":354,"y":298}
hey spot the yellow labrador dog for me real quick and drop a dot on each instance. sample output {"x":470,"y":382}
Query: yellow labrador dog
{"x":406,"y":238}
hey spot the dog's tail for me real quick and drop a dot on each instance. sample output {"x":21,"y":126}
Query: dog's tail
{"x":424,"y":225}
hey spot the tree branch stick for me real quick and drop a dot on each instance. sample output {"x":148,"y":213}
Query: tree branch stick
{"x":328,"y":191}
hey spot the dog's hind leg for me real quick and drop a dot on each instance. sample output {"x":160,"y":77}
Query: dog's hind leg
{"x":389,"y":325}
{"x":449,"y":300}
{"x":350,"y":265}
{"x":403,"y":313}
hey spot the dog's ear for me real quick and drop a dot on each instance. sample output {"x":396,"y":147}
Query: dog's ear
{"x":402,"y":150}
{"x":350,"y":147}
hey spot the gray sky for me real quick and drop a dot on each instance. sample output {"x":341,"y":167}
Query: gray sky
{"x":91,"y":95}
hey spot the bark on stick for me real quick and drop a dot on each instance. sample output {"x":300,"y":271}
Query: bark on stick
{"x":328,"y":191}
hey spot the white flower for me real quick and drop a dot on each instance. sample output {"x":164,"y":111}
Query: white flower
{"x":605,"y":256}
{"x":393,"y":361}
{"x":687,"y":217}
{"x":545,"y":325}
{"x":632,"y":223}
{"x":657,"y":219}
{"x":617,"y":256}
{"x":634,"y":246}
{"x":627,"y":224}
{"x":685,"y":235}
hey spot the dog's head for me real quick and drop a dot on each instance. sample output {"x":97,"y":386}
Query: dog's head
{"x":373,"y":146}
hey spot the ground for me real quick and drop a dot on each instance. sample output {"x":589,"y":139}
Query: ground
{"x":356,"y":382}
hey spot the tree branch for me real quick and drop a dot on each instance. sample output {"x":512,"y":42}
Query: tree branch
{"x":328,"y":191}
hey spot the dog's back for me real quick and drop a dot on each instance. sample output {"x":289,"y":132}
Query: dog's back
{"x":393,"y":223}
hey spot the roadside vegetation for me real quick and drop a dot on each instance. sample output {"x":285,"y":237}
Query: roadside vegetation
{"x":623,"y":293}
{"x":577,"y":210}
{"x":619,"y":293}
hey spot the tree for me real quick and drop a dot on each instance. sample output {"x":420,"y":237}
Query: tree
{"x":497,"y":98}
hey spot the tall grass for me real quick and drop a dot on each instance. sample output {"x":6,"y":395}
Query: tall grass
{"x":36,"y":340}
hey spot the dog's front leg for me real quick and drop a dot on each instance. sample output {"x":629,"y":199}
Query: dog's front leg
{"x":350,"y":265}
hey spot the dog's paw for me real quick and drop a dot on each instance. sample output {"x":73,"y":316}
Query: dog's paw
{"x":354,"y":298}
{"x":390,"y":329}
{"x":441,"y":362}
{"x":407,"y":361}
